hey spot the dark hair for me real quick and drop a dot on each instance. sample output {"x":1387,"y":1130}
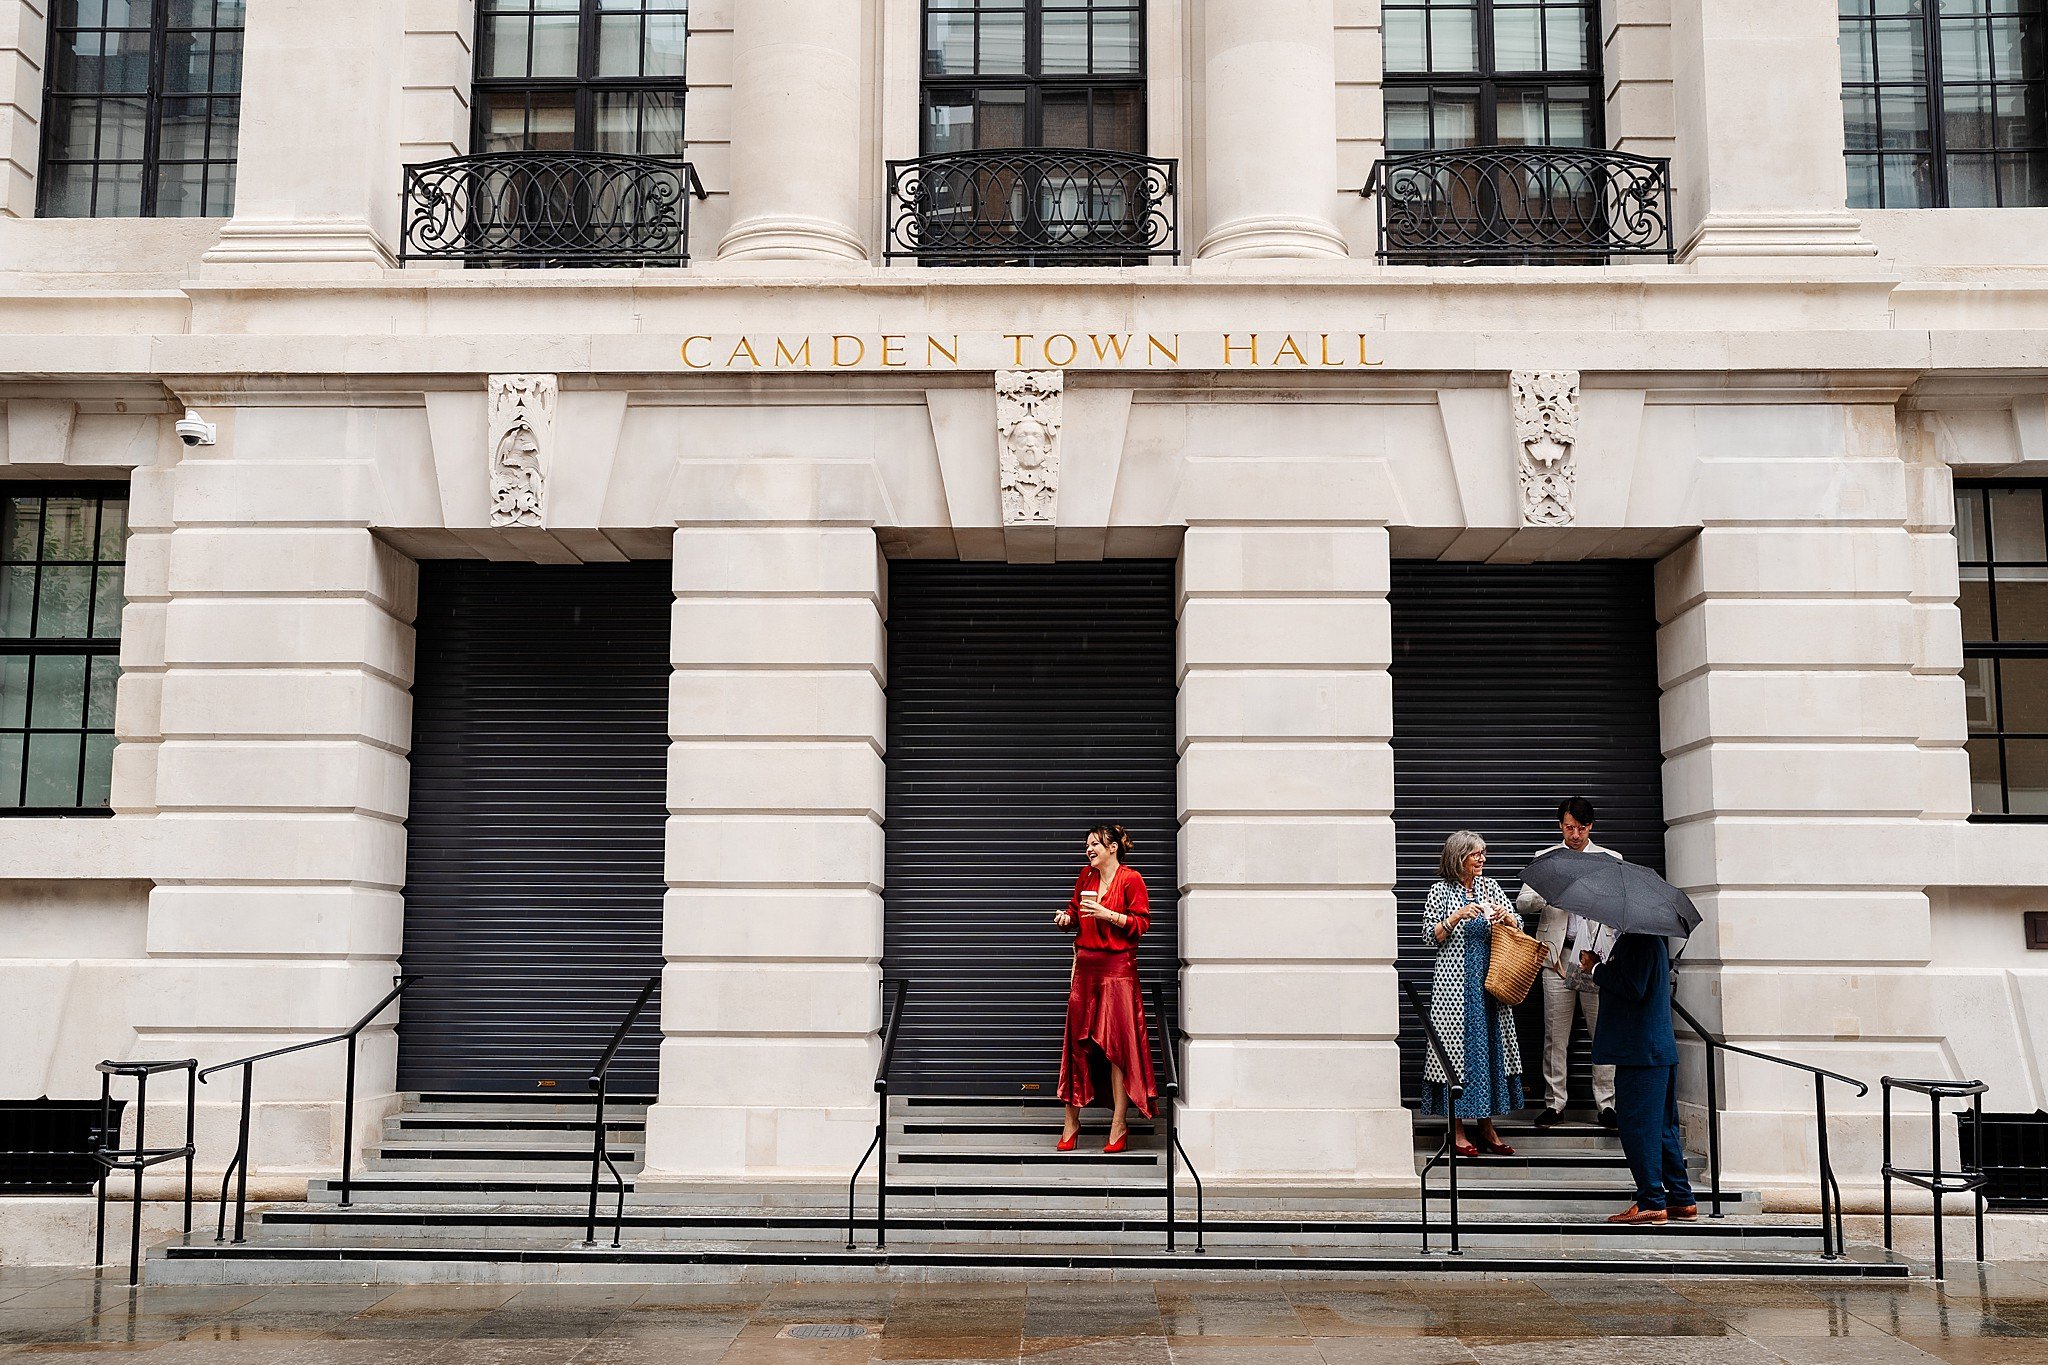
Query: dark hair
{"x":1116,"y":837}
{"x":1578,"y":807}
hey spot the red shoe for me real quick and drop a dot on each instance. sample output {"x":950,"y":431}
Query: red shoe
{"x":1495,"y":1147}
{"x":1465,"y":1149}
{"x":1067,"y":1142}
{"x":1115,"y":1145}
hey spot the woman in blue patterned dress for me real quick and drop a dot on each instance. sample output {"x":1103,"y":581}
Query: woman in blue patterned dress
{"x":1478,"y":1031}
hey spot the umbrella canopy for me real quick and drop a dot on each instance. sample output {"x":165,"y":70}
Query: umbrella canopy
{"x":1627,"y":897}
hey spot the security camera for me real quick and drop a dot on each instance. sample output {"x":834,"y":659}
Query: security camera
{"x":195,"y":430}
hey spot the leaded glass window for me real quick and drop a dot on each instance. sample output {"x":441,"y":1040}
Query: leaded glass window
{"x":62,"y":555}
{"x":1464,"y":73}
{"x":1945,"y":103}
{"x":581,"y":75}
{"x":1034,"y":73}
{"x":142,"y":109}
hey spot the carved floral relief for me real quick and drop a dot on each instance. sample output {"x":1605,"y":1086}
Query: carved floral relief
{"x":1546,"y":408}
{"x":521,"y":410}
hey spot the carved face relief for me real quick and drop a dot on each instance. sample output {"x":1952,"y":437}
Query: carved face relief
{"x":1546,"y":410}
{"x":1028,"y":421}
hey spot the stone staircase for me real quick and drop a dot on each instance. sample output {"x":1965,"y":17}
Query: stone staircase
{"x":497,"y":1188}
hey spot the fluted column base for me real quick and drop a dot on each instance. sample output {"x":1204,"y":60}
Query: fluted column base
{"x":786,"y":238}
{"x":1273,"y":238}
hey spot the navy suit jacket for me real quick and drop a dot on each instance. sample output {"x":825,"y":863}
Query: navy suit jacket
{"x":1635,"y":1005}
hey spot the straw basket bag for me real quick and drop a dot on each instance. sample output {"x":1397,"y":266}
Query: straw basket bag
{"x":1516,"y":960}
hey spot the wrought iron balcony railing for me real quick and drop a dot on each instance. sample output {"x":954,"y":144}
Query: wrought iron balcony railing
{"x":541,"y":209}
{"x":1521,"y":205}
{"x":1033,"y":206}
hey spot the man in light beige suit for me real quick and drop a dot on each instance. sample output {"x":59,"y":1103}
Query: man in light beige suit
{"x":1567,"y":990}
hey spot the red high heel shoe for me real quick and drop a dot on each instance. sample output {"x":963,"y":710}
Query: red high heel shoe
{"x":1115,"y":1145}
{"x":1067,"y":1142}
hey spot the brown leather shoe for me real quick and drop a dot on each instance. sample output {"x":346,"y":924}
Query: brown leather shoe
{"x":1639,"y":1217}
{"x":1683,"y":1213}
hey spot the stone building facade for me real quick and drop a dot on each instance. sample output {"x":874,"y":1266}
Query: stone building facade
{"x":1772,"y":423}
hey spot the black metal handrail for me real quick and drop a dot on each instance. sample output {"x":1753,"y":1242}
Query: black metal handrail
{"x":1831,"y":1240}
{"x":600,"y":1143}
{"x":880,"y":1143}
{"x":1446,"y":1153}
{"x":238,"y":1168}
{"x":141,"y":1156}
{"x":1521,"y":205}
{"x":549,"y":209}
{"x":1033,"y":206}
{"x":1936,"y":1181}
{"x":1170,"y":1037}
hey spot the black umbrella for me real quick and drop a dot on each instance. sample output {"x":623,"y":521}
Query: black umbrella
{"x":1626,"y":897}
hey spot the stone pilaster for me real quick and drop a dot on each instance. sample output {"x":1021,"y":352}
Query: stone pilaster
{"x":1758,"y":169}
{"x":23,"y":47}
{"x":1287,"y":854}
{"x":1270,"y":129}
{"x":279,"y":780}
{"x":1800,"y":798}
{"x":797,"y":123}
{"x":440,"y":64}
{"x":301,"y":70}
{"x":1635,"y":58}
{"x":773,"y":936}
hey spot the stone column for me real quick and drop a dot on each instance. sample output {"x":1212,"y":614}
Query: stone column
{"x":1758,"y":169}
{"x":302,"y":68}
{"x":1270,"y":161}
{"x":279,"y":779}
{"x":1802,"y":804}
{"x":774,"y":914}
{"x":23,"y":43}
{"x":797,"y":121}
{"x":1287,"y":854}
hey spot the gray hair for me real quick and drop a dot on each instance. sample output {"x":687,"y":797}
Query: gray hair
{"x":1457,"y":848}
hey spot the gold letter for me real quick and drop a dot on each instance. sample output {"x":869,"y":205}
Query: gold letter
{"x":1073,"y":349}
{"x":1326,"y":352}
{"x":800,"y":356}
{"x":932,"y":348}
{"x":688,"y":342}
{"x":1114,"y":345}
{"x":1363,"y":358}
{"x":1289,"y":345}
{"x":1172,"y":353}
{"x":1229,"y":348}
{"x":745,"y":348}
{"x":860,"y":352}
{"x":1016,"y":340}
{"x":892,"y":352}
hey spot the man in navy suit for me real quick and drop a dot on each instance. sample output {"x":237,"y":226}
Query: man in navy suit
{"x":1634,"y":1036}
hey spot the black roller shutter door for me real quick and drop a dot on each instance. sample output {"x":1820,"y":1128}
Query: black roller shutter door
{"x":1026,"y":702}
{"x":1514,"y":687}
{"x":534,"y":844}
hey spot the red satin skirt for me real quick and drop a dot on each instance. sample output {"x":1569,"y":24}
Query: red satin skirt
{"x":1106,"y":1027}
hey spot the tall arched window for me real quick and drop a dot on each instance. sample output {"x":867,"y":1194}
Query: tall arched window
{"x":1482,"y":73}
{"x":581,"y":75}
{"x":1034,"y":73}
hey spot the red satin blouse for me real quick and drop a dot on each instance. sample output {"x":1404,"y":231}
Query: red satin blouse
{"x":1126,"y":895}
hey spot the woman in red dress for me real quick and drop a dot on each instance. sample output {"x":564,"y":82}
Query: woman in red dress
{"x":1108,"y":912}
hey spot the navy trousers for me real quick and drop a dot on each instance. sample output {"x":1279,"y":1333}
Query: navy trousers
{"x":1646,"y":1107}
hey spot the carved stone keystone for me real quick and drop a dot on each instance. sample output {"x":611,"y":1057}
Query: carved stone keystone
{"x":1028,"y":421}
{"x":521,"y":410}
{"x":1546,"y":406}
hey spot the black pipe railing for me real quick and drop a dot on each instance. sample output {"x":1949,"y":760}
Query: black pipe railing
{"x":1169,"y":1090}
{"x":890,"y":1021}
{"x":1521,"y":205}
{"x":1831,"y":1239}
{"x":1446,"y":1154}
{"x":1936,"y":1181}
{"x":549,"y":209}
{"x":141,"y":1156}
{"x":600,"y":1143}
{"x":238,"y":1168}
{"x":1033,"y":206}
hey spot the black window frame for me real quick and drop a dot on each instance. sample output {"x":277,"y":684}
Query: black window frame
{"x":586,"y":85}
{"x":1034,"y":86}
{"x":154,"y":97}
{"x":1996,"y":649}
{"x":1490,"y":81}
{"x":90,"y":645}
{"x":1932,"y":88}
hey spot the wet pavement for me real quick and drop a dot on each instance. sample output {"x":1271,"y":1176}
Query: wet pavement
{"x":1986,"y":1315}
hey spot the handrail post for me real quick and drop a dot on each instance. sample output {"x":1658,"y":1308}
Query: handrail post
{"x":1829,"y":1249}
{"x":1977,"y":1143}
{"x":597,"y":1154}
{"x":1886,"y":1088}
{"x":142,"y":1151}
{"x":1457,"y":1094}
{"x":191,"y":1147}
{"x":1714,"y":1126}
{"x":1934,"y":1103}
{"x":242,"y":1153}
{"x":348,"y":1122}
{"x":882,"y":1164}
{"x":99,"y":1237}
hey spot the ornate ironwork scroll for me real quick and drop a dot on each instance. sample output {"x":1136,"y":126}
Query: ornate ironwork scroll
{"x":550,"y":209}
{"x":1521,"y":205}
{"x":1033,"y":206}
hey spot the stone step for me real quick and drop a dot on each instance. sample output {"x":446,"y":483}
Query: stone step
{"x":465,"y":1128}
{"x":540,"y":1153}
{"x":520,"y":1106}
